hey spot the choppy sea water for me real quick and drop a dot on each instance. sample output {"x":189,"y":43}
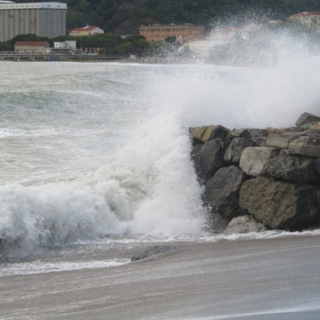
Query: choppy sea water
{"x":98,"y":154}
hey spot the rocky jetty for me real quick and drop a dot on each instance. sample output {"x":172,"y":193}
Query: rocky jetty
{"x":258,"y":179}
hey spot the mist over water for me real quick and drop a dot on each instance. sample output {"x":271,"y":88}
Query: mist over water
{"x":93,"y":150}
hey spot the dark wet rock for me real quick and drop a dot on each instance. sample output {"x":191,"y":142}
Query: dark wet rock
{"x":208,"y":158}
{"x":317,"y":165}
{"x":236,"y":147}
{"x":307,"y":118}
{"x":222,"y":191}
{"x":254,"y":160}
{"x":281,"y":205}
{"x":152,"y":252}
{"x":293,"y":169}
{"x":207,"y":133}
{"x":244,"y":224}
{"x":216,"y":223}
{"x":261,"y":141}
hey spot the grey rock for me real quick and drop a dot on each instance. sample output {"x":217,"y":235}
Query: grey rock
{"x":317,"y":165}
{"x":293,"y":169}
{"x":258,"y":132}
{"x":244,"y":224}
{"x":207,"y":133}
{"x":241,"y":133}
{"x":236,"y":147}
{"x":261,"y":141}
{"x":208,"y":158}
{"x":216,"y":222}
{"x":222,"y":191}
{"x":281,"y":140}
{"x":315,"y":129}
{"x":305,"y":146}
{"x":249,"y":133}
{"x":254,"y":160}
{"x":297,"y":143}
{"x":280,"y":205}
{"x":152,"y":252}
{"x":307,"y":118}
{"x":305,"y":127}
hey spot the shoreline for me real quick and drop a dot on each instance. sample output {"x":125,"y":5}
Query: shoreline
{"x":222,"y":280}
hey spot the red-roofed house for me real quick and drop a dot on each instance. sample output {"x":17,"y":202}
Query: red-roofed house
{"x":310,"y":19}
{"x":38,"y":47}
{"x":86,"y":31}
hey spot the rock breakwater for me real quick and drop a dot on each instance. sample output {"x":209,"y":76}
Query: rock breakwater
{"x":257,"y":179}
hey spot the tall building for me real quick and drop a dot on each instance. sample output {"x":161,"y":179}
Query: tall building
{"x":184,"y":33}
{"x":45,"y":19}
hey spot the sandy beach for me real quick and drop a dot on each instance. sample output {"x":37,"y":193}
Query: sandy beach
{"x":248,"y":279}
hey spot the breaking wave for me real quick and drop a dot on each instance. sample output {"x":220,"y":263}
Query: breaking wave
{"x":148,"y":186}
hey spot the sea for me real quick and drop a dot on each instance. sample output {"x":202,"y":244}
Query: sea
{"x":96,"y":156}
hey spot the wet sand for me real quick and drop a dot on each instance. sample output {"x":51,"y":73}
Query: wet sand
{"x":251,"y":279}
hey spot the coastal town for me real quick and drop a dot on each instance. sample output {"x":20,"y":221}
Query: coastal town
{"x":38,"y":31}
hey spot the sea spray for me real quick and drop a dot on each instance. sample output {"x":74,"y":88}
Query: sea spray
{"x":154,"y":170}
{"x":145,"y":183}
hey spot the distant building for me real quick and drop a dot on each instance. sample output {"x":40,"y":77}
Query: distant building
{"x":86,"y":31}
{"x":64,"y":47}
{"x":36,"y":47}
{"x":68,"y":44}
{"x":45,"y":19}
{"x":310,"y":19}
{"x":184,"y":33}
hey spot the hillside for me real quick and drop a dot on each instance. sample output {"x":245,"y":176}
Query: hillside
{"x":125,"y":16}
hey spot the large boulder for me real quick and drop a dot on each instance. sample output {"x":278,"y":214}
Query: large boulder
{"x":207,"y":133}
{"x":244,"y":224}
{"x":254,"y":160}
{"x":307,"y":118}
{"x":281,"y":205}
{"x":208,"y":158}
{"x":236,"y":147}
{"x":222,"y":191}
{"x":293,"y":169}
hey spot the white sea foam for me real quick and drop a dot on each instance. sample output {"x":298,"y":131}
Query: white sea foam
{"x":36,"y":267}
{"x":146,"y":185}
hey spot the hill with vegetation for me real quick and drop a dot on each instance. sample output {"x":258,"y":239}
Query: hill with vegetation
{"x":125,"y":16}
